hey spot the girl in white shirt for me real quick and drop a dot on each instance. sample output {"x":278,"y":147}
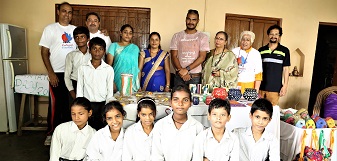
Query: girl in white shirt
{"x":107,"y":143}
{"x":138,"y":137}
{"x":173,"y":135}
{"x":70,"y":139}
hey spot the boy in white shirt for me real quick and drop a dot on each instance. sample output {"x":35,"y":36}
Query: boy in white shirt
{"x":95,"y":81}
{"x":174,"y":135}
{"x":76,"y":58}
{"x":256,"y":144}
{"x":216,"y":143}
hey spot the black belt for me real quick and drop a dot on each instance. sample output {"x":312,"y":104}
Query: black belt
{"x":62,"y":159}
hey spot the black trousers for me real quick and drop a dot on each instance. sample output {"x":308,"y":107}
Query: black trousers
{"x":96,"y":119}
{"x":75,"y":87}
{"x":58,"y":109}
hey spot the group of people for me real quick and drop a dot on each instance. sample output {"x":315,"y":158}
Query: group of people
{"x":177,"y":136}
{"x":85,"y":68}
{"x":265,"y":69}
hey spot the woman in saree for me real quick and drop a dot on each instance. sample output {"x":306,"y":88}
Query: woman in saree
{"x":154,"y":64}
{"x":221,"y":68}
{"x":123,"y":57}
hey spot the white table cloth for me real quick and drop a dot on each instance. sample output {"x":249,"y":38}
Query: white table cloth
{"x":291,"y":138}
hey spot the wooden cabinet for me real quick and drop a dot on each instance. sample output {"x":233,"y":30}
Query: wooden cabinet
{"x":235,"y":24}
{"x":113,"y":18}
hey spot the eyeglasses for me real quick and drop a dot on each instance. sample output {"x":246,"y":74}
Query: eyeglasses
{"x":219,"y":38}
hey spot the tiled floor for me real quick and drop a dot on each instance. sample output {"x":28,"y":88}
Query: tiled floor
{"x":28,"y":147}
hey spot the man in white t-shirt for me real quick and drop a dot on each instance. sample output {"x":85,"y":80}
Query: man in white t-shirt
{"x":56,"y":42}
{"x":93,"y":22}
{"x":188,"y":49}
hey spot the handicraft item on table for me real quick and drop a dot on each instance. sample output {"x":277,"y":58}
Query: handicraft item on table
{"x":234,"y":94}
{"x":219,"y":93}
{"x":126,"y":89}
{"x":250,"y":94}
{"x":320,"y":123}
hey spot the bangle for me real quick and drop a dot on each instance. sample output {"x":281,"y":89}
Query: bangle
{"x":168,"y":86}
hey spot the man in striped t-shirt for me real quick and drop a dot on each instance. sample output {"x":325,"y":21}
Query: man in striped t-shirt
{"x":276,"y":62}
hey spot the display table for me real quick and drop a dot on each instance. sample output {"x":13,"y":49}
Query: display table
{"x":291,"y":138}
{"x":239,"y":116}
{"x":36,"y":85}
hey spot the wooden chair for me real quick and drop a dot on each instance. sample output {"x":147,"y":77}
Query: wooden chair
{"x":321,"y":97}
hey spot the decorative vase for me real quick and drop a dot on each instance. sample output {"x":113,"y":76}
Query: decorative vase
{"x":250,"y":94}
{"x":195,"y":100}
{"x":219,"y":93}
{"x":234,"y":94}
{"x":208,"y":100}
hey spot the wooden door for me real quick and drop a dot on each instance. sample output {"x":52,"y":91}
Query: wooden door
{"x":113,"y":18}
{"x":235,"y":24}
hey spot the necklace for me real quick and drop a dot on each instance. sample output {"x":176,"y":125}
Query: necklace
{"x":152,"y":62}
{"x":177,"y":121}
{"x":222,"y":54}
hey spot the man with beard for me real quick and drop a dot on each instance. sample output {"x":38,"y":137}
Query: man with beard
{"x":93,"y":22}
{"x":56,"y":42}
{"x":188,"y":49}
{"x":276,"y":62}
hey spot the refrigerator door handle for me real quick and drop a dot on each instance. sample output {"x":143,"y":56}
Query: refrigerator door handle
{"x":12,"y":74}
{"x":9,"y":43}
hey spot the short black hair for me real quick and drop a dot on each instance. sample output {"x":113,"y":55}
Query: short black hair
{"x":181,"y":87}
{"x":146,"y":102}
{"x":275,"y":27}
{"x":192,"y":11}
{"x":219,"y":103}
{"x":81,"y":30}
{"x":262,"y":104}
{"x":97,"y":41}
{"x":112,"y":105}
{"x":93,"y":13}
{"x":63,"y":3}
{"x":81,"y":101}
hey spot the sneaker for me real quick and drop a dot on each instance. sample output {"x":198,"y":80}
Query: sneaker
{"x":47,"y":141}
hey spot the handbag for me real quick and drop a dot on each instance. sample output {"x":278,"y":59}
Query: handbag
{"x":309,"y":153}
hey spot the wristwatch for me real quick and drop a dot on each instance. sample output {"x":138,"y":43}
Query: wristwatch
{"x":188,"y":68}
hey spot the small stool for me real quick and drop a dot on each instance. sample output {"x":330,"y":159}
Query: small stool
{"x":35,"y":119}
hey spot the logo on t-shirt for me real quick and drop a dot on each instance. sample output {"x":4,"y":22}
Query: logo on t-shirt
{"x":66,"y":37}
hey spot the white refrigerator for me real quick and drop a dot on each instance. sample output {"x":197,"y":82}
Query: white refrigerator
{"x":13,"y":61}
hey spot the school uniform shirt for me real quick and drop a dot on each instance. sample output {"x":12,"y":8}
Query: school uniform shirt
{"x":73,"y":61}
{"x":69,"y":142}
{"x":206,"y":145}
{"x":103,"y":148}
{"x":95,"y":84}
{"x":60,"y":41}
{"x":105,"y":38}
{"x":137,"y":144}
{"x":171,"y":144}
{"x":250,"y":150}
